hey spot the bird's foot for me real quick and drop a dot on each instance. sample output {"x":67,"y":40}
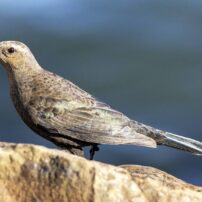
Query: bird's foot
{"x":93,"y":149}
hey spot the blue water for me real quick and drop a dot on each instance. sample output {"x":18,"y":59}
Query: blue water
{"x":141,"y":57}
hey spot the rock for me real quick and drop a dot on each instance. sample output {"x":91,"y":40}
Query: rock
{"x":30,"y":173}
{"x":157,"y":185}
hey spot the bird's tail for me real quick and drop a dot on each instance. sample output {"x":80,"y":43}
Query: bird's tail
{"x":169,"y":139}
{"x":179,"y":142}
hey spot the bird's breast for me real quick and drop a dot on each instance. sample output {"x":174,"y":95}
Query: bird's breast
{"x":20,"y":96}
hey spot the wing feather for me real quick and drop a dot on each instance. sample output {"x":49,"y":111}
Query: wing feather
{"x":88,"y":121}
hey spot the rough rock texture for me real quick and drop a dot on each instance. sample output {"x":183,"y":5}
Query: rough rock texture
{"x":31,"y":173}
{"x":157,"y":185}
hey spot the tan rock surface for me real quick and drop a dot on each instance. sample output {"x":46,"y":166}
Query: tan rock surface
{"x":31,"y":173}
{"x":157,"y":185}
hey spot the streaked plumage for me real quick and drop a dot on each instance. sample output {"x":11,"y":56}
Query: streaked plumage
{"x":60,"y":111}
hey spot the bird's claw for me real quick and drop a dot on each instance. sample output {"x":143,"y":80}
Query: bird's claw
{"x":93,"y":149}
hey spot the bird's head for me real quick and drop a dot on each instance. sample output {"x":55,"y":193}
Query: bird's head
{"x":16,"y":56}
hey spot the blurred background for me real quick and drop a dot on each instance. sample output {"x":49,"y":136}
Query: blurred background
{"x":141,"y":57}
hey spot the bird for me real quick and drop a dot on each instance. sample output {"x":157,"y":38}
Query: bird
{"x":60,"y":111}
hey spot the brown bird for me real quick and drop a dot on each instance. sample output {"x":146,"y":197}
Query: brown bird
{"x":61,"y":112}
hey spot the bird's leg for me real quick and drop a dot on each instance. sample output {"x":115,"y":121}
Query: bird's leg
{"x":93,"y":149}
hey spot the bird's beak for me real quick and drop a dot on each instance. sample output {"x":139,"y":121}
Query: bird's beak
{"x":2,"y":56}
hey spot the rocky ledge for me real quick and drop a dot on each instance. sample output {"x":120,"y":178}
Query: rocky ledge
{"x":30,"y":173}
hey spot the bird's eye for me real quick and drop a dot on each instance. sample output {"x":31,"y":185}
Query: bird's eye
{"x":11,"y":50}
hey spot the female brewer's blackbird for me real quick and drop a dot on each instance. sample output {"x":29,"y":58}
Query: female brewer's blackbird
{"x":71,"y":118}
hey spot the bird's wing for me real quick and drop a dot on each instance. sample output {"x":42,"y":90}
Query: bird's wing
{"x":88,"y":121}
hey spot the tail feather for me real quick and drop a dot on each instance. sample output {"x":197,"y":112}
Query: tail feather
{"x":169,"y":139}
{"x":182,"y":143}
